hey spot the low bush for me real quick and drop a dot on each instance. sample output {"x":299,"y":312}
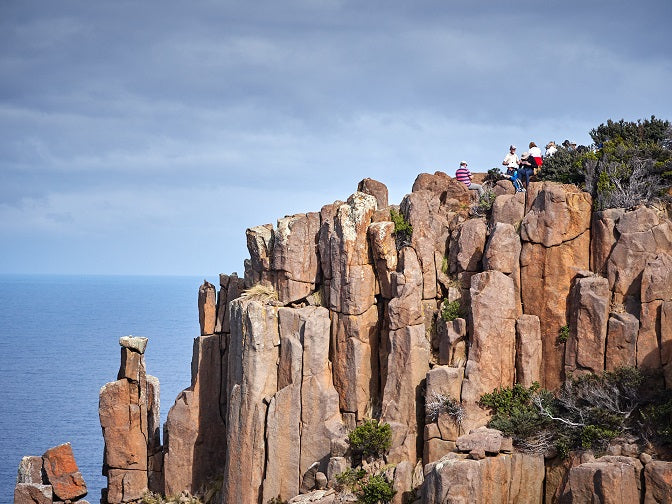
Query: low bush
{"x":402,"y":229}
{"x":375,"y":489}
{"x":451,"y":310}
{"x":371,"y":438}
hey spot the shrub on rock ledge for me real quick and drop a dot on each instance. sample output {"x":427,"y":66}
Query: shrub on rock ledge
{"x":371,"y":438}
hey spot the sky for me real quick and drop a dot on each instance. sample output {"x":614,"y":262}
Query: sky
{"x":144,"y":137}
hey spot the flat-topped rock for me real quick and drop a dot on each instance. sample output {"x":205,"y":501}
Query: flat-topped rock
{"x":135,"y":343}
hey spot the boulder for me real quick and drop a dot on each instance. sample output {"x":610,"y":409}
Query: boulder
{"x":489,"y":440}
{"x":443,"y":382}
{"x":30,"y":470}
{"x":376,"y":189}
{"x":603,"y":238}
{"x":508,"y":209}
{"x":467,"y":245}
{"x":125,"y":485}
{"x":33,"y":493}
{"x":134,"y":343}
{"x":608,"y":479}
{"x":63,"y":474}
{"x":405,"y":309}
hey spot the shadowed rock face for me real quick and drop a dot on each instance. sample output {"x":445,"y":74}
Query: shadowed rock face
{"x":356,"y":332}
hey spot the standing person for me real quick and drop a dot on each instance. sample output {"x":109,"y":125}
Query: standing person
{"x":527,"y":167}
{"x":464,"y":175}
{"x":535,"y":153}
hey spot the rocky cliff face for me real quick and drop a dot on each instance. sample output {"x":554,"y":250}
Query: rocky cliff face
{"x":340,"y":321}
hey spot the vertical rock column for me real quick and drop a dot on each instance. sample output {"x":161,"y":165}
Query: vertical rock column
{"x":128,"y":411}
{"x":556,"y":245}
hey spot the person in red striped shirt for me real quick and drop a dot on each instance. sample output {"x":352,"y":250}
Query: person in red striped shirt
{"x":464,"y":175}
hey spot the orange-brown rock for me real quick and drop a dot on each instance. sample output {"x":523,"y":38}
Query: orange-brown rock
{"x":603,"y":238}
{"x":252,"y":378}
{"x":260,"y":247}
{"x":607,"y":479}
{"x":502,"y":253}
{"x":30,"y":470}
{"x":33,"y":493}
{"x":63,"y":474}
{"x":528,"y":350}
{"x":508,"y":209}
{"x":407,"y":365}
{"x":207,"y":307}
{"x":443,"y":382}
{"x":452,"y":336}
{"x":405,"y":309}
{"x":491,"y":361}
{"x":622,"y":332}
{"x":231,"y":288}
{"x":658,"y":482}
{"x":586,"y":346}
{"x":294,"y":259}
{"x":195,"y":445}
{"x":467,"y":246}
{"x":384,"y":251}
{"x":125,"y":485}
{"x":354,"y":357}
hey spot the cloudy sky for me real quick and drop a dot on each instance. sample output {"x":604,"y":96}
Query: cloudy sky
{"x":144,"y":137}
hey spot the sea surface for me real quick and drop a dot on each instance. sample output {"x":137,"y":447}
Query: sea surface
{"x":59,"y":343}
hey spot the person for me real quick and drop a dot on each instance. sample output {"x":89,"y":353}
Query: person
{"x":551,"y":149}
{"x":535,"y":153}
{"x":527,"y":166}
{"x":512,"y":163}
{"x":464,"y":175}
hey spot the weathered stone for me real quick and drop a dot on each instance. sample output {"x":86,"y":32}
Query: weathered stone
{"x":527,"y":478}
{"x":508,"y":209}
{"x":502,"y":250}
{"x":207,"y":307}
{"x":622,"y":330}
{"x":320,"y":481}
{"x":154,"y":448}
{"x":260,"y":247}
{"x":603,"y":238}
{"x":125,"y":485}
{"x":196,"y":437}
{"x":435,"y":449}
{"x":402,"y":482}
{"x":252,"y":377}
{"x":642,"y":235}
{"x":308,"y":478}
{"x":63,"y":474}
{"x":294,"y":258}
{"x":354,"y":348}
{"x":419,"y":209}
{"x":408,"y":363}
{"x":135,"y":343}
{"x":467,"y":245}
{"x":490,"y":440}
{"x":546,"y":277}
{"x":528,"y":350}
{"x":317,"y":497}
{"x":131,"y":363}
{"x":121,"y":420}
{"x":30,"y":470}
{"x":666,"y":341}
{"x":405,"y":309}
{"x":376,"y":189}
{"x":452,"y":336}
{"x":586,"y":346}
{"x":559,"y":213}
{"x":33,"y":493}
{"x":443,"y":382}
{"x":477,"y":453}
{"x":352,"y":284}
{"x":336,"y":466}
{"x":658,"y":482}
{"x":384,"y":250}
{"x":608,"y":479}
{"x":491,"y":362}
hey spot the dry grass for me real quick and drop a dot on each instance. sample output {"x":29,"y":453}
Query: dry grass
{"x":260,"y":292}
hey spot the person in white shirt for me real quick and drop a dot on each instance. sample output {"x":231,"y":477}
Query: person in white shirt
{"x":535,"y":152}
{"x":550,"y":149}
{"x":512,"y":162}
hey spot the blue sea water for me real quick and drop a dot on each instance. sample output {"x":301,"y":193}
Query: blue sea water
{"x":59,"y":343}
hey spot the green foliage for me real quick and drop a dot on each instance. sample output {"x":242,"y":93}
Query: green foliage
{"x":507,"y":399}
{"x":375,"y":489}
{"x":563,"y":334}
{"x":276,"y":500}
{"x":349,"y":478}
{"x":485,"y":201}
{"x":493,"y":176}
{"x":451,"y":311}
{"x":566,"y":166}
{"x":657,"y":416}
{"x":649,"y":130}
{"x":155,"y":498}
{"x":371,"y":438}
{"x":402,"y":229}
{"x":594,"y":437}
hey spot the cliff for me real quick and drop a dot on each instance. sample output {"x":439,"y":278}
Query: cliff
{"x":338,"y":319}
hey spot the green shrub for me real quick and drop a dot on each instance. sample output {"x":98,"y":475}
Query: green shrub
{"x":402,"y":229}
{"x":563,"y":334}
{"x":375,"y":489}
{"x":657,"y":417}
{"x":349,"y":479}
{"x":451,"y":311}
{"x":371,"y":438}
{"x":594,"y":437}
{"x":485,"y":201}
{"x":494,"y":175}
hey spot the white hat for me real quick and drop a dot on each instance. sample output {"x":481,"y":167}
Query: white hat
{"x":463,"y":163}
{"x":512,"y":147}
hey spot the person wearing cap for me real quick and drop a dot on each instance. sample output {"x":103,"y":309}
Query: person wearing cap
{"x":551,"y":149}
{"x":464,"y":175}
{"x":511,"y":160}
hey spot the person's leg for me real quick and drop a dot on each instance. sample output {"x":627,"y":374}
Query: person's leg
{"x":477,"y":187}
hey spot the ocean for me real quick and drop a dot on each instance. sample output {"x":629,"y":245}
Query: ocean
{"x":59,"y":343}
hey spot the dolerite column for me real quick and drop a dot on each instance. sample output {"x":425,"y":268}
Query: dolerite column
{"x":129,"y":417}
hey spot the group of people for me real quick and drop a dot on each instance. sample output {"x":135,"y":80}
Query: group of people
{"x":518,"y":170}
